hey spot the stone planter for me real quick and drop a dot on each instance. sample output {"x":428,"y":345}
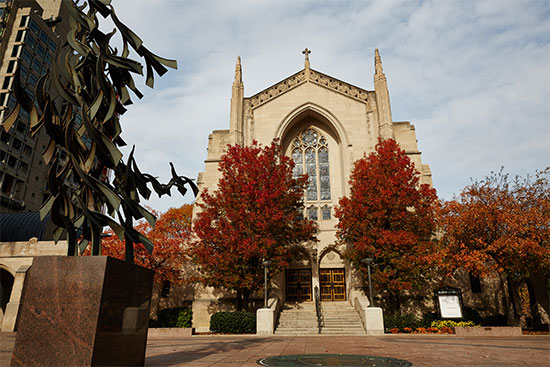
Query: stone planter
{"x":170,"y":332}
{"x":488,"y":331}
{"x":83,"y":311}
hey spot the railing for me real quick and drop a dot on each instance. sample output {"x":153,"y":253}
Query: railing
{"x":318,"y":310}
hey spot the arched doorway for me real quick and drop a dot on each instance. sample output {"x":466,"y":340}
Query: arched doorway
{"x":6,"y":285}
{"x":298,"y":276}
{"x":332,"y":276}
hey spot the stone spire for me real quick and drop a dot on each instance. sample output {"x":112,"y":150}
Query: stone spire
{"x":236,"y":113}
{"x":385,"y":126}
{"x":378,"y":63}
{"x":238,"y":72}
{"x":306,"y":63}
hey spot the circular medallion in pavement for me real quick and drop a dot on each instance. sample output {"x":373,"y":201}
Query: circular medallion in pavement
{"x":349,"y":360}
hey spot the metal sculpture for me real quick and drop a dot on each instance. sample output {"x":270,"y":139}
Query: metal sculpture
{"x":79,"y":101}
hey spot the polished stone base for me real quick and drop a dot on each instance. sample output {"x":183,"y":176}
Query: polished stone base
{"x":83,"y":311}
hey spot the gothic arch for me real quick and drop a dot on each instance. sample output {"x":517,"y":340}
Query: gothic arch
{"x":327,"y":250}
{"x":327,"y":123}
{"x":298,"y":254}
{"x":330,"y":122}
{"x":7,"y":279}
{"x":8,"y":269}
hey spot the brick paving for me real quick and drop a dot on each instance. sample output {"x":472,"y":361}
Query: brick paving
{"x":420,"y":350}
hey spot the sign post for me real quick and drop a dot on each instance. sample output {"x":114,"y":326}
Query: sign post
{"x":449,"y":302}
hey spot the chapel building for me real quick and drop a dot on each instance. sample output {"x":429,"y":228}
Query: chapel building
{"x":325,"y":125}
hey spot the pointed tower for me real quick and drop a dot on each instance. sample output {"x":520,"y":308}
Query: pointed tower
{"x":237,"y":100}
{"x":385,"y":126}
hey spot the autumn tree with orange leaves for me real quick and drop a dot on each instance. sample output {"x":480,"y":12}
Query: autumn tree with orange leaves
{"x":498,"y":225}
{"x":391,"y":218}
{"x":253,"y":215}
{"x":170,"y":236}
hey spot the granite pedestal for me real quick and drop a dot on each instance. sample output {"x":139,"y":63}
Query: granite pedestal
{"x":83,"y":311}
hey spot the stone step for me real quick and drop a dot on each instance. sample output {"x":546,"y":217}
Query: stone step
{"x":342,"y":328}
{"x":293,"y":315}
{"x":298,"y":324}
{"x":342,"y":322}
{"x":303,"y":330}
{"x":294,"y":322}
{"x":342,"y":317}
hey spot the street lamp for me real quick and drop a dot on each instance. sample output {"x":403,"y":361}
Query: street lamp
{"x":265,"y":263}
{"x":369,"y":261}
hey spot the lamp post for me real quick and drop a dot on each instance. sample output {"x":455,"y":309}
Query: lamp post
{"x":369,"y":261}
{"x":265,"y":263}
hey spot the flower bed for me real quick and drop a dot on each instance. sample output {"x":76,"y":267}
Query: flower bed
{"x":436,"y":327}
{"x":422,"y":330}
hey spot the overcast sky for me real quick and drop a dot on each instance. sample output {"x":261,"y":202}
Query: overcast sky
{"x":472,"y":76}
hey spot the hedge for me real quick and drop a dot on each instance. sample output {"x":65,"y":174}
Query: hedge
{"x":233,"y":322}
{"x":179,"y":317}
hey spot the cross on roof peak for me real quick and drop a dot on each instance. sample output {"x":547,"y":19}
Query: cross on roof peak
{"x":306,"y":52}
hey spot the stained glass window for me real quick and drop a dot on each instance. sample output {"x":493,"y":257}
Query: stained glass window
{"x":325,"y":212}
{"x":311,"y":170}
{"x":312,"y":213}
{"x":310,"y":151}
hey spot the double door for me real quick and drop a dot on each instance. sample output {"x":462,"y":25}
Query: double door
{"x":298,"y":285}
{"x":333,"y":285}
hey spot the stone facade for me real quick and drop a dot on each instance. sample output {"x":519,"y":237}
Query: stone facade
{"x":325,"y":124}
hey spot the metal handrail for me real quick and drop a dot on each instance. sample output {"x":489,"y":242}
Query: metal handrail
{"x":318,"y":309}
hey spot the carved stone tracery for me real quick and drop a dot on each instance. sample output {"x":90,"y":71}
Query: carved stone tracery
{"x":315,"y":77}
{"x":337,"y":85}
{"x":277,"y":89}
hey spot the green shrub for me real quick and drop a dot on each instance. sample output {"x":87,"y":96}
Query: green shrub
{"x":185,"y":317}
{"x":233,"y":322}
{"x":402,"y":321}
{"x":173,"y":317}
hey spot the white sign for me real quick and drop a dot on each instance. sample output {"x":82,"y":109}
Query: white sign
{"x":449,"y":305}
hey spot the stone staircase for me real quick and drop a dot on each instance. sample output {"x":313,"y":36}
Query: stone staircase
{"x":340,"y":318}
{"x":297,"y":319}
{"x":300,"y":319}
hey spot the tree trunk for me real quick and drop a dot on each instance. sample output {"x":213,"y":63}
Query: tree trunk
{"x":239,"y":299}
{"x":514,"y":306}
{"x":533,"y":304}
{"x":246,"y":296}
{"x":395,"y":303}
{"x":539,"y":300}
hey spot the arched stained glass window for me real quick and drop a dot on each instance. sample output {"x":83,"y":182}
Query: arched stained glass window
{"x":312,"y":213}
{"x":310,"y":155}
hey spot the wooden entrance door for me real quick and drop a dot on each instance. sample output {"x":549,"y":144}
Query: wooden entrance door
{"x":333,"y":285}
{"x":298,"y":285}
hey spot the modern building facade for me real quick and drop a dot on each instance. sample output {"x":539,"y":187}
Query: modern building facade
{"x":324,"y":124}
{"x":31,"y":32}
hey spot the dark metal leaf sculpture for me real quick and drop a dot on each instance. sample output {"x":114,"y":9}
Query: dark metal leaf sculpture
{"x":79,"y":102}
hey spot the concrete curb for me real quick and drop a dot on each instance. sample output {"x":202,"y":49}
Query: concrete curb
{"x":170,"y":332}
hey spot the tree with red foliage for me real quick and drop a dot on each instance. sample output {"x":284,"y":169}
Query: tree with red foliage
{"x":253,"y":215}
{"x":391,"y":218}
{"x":170,"y":236}
{"x":502,"y":226}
